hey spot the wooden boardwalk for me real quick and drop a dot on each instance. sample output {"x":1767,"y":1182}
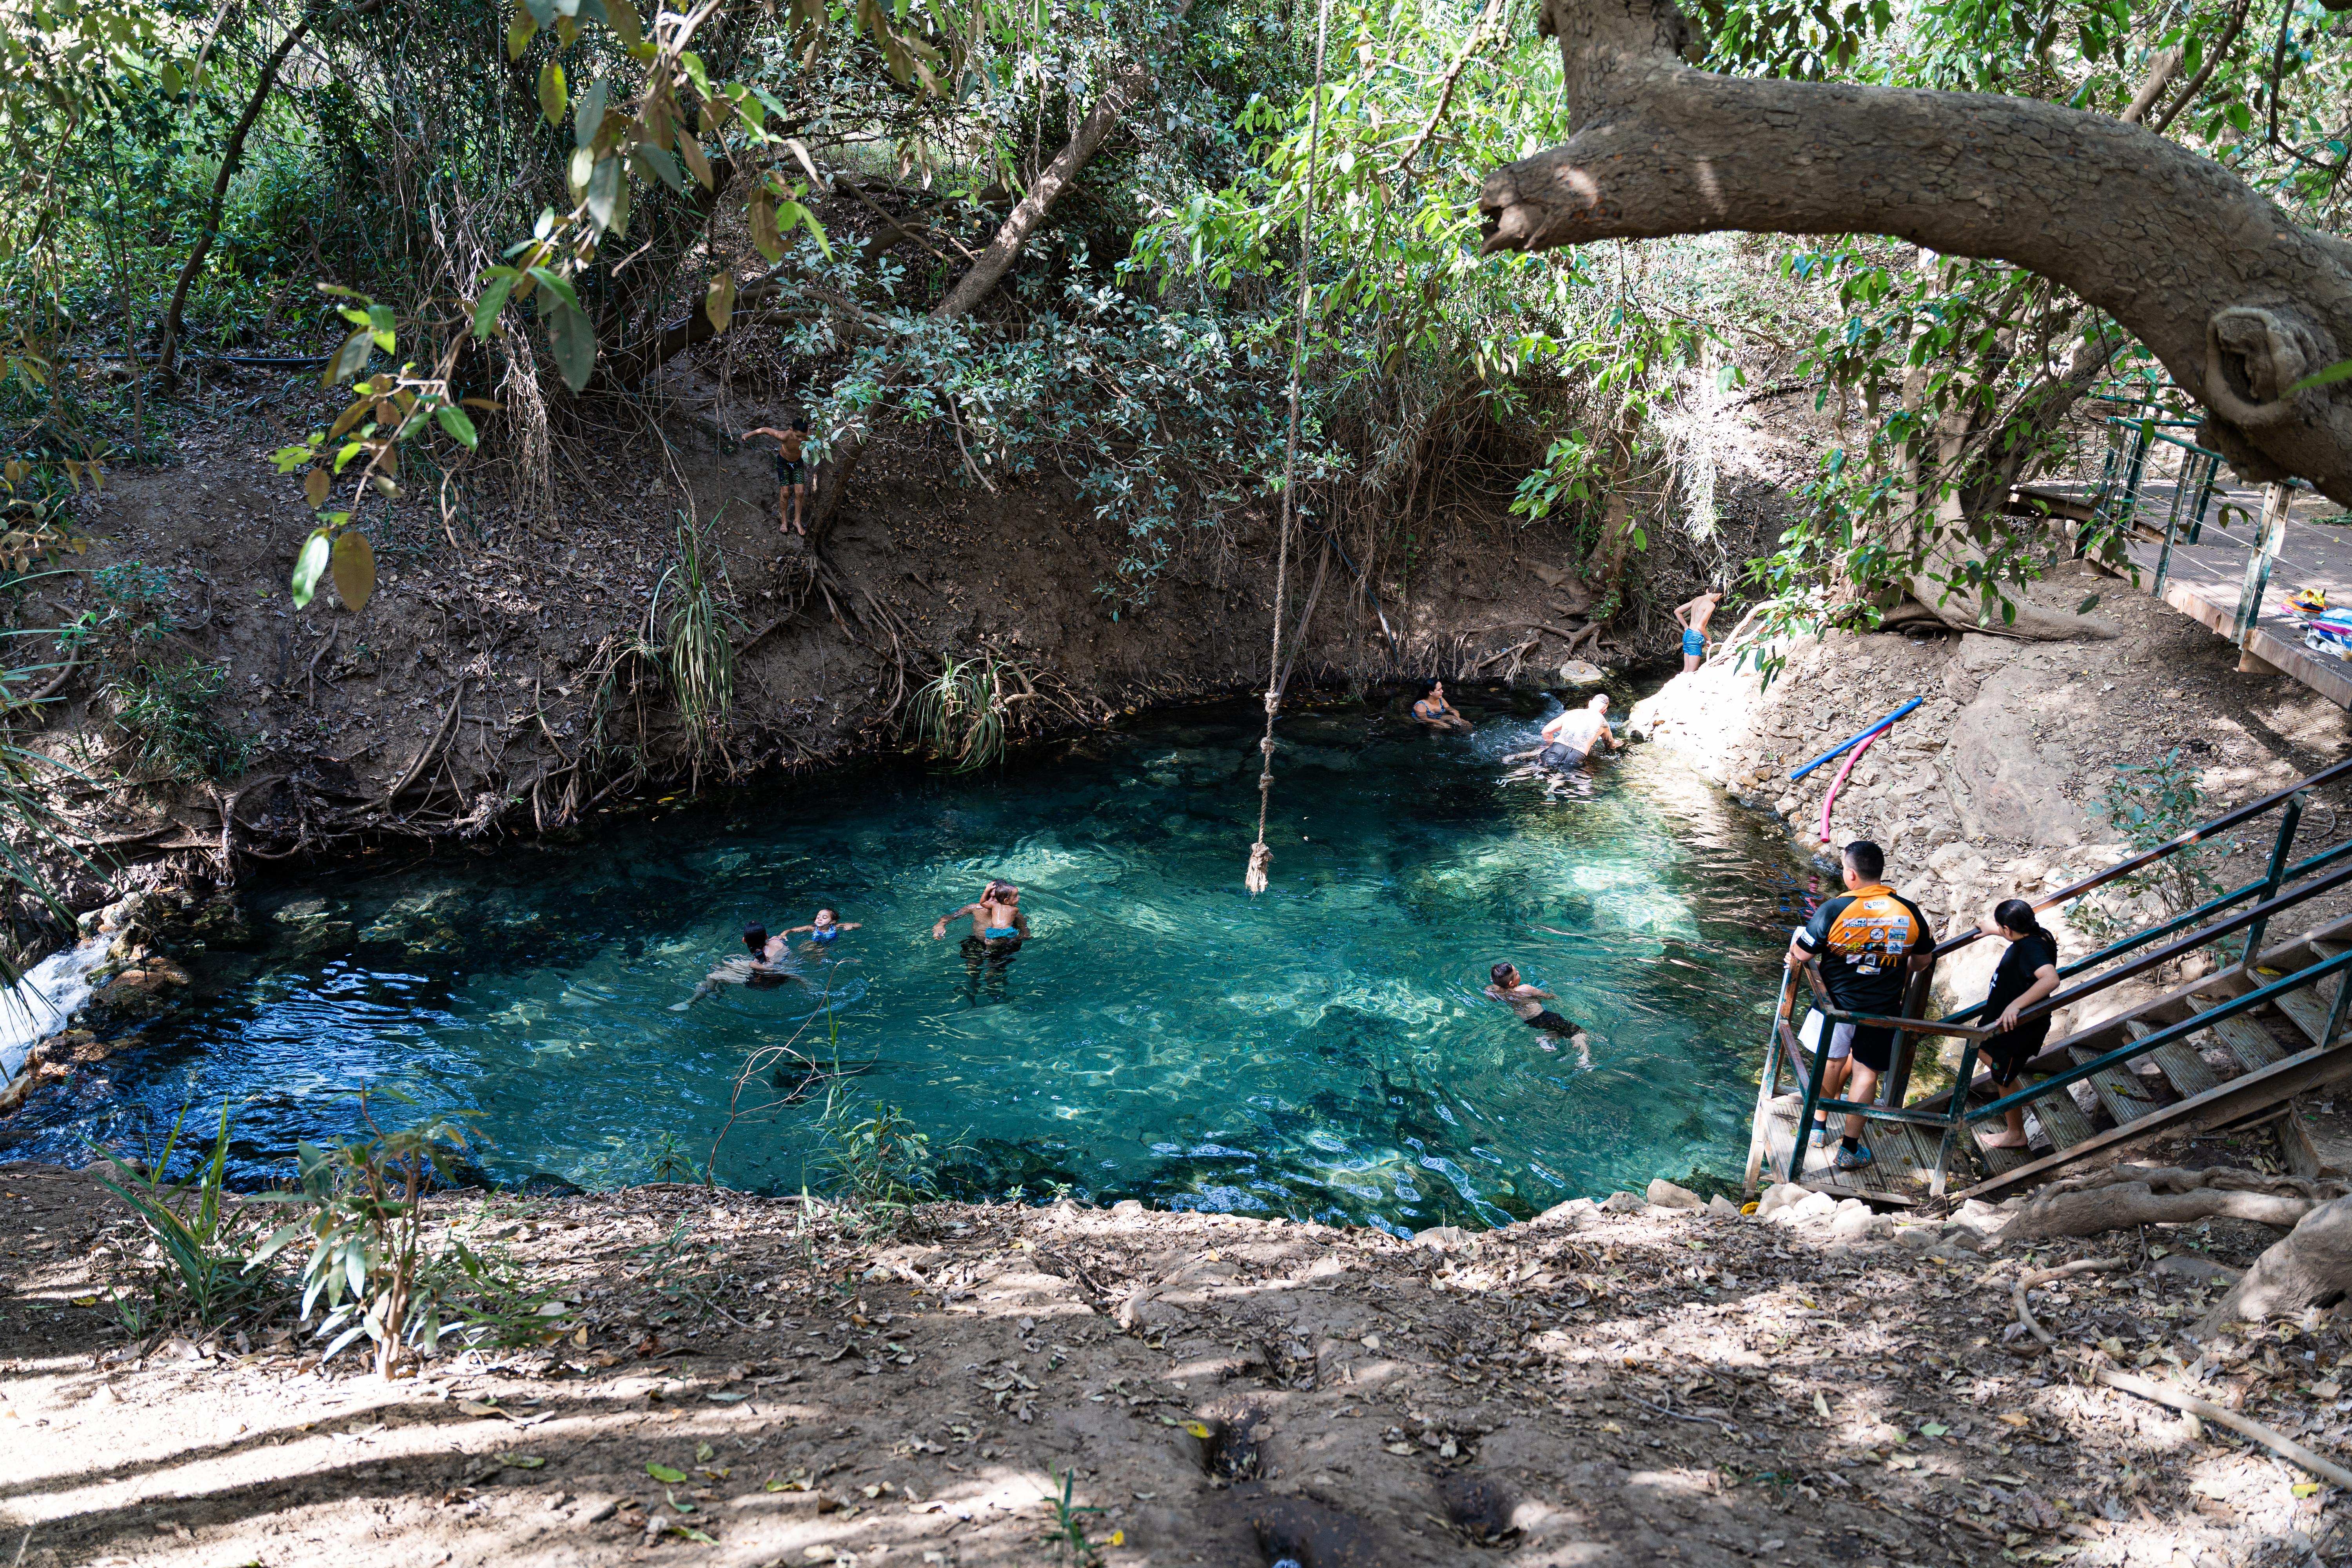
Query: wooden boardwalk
{"x":2207,"y":579}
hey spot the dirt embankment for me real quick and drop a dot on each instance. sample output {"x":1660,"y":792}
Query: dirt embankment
{"x":1592,"y":1387}
{"x":463,"y":699}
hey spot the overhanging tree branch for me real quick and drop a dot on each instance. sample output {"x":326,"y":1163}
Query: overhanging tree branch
{"x":2236,"y":300}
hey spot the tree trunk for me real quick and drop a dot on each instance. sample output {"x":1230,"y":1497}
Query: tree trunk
{"x":1012,"y":238}
{"x":167,"y":358}
{"x":2234,"y":297}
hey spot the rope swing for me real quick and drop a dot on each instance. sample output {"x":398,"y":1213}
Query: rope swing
{"x":1260,"y":856}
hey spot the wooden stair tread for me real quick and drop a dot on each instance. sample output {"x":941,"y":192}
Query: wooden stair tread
{"x":2249,"y":1042}
{"x":2183,"y":1068}
{"x":2307,"y":1012}
{"x":2061,"y":1119}
{"x":2118,"y":1089}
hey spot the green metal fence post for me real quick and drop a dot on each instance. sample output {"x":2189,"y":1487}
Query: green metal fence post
{"x":2205,"y":495}
{"x":2267,"y":544}
{"x":1959,"y":1108}
{"x":1804,"y":1128}
{"x":2289,"y":820}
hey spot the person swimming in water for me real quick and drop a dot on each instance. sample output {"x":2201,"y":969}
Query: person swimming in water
{"x":824,"y":930}
{"x":998,"y":929}
{"x":1528,"y":1002}
{"x":760,"y":967}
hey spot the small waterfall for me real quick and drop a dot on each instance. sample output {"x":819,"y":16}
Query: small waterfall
{"x":41,"y":1003}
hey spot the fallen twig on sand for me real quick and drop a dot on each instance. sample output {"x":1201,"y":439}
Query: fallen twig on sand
{"x":2147,"y":1388}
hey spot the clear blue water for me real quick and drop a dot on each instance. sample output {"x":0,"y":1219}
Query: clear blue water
{"x":1321,"y":1051}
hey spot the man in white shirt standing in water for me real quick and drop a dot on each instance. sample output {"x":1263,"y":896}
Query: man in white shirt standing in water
{"x":1572,"y":737}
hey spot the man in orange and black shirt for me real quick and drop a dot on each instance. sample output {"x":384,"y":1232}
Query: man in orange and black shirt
{"x":1868,"y":939}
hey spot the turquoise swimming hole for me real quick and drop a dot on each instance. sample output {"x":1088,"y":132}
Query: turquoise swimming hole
{"x":1323,"y":1051}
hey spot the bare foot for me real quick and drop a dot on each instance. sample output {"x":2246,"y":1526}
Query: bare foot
{"x":2003,"y":1140}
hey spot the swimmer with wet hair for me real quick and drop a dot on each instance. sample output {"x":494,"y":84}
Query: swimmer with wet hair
{"x":758,"y":967}
{"x":1527,"y":1001}
{"x":823,"y":929}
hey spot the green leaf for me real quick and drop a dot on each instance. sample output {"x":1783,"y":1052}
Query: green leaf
{"x":542,"y":11}
{"x":460,"y":428}
{"x":310,"y":566}
{"x":794,"y":212}
{"x":559,"y":290}
{"x":350,"y":359}
{"x":573,"y":340}
{"x":588,"y":114}
{"x":384,"y":326}
{"x":658,"y":164}
{"x":2087,"y":605}
{"x":604,"y":188}
{"x":664,"y":1473}
{"x":2340,"y":371}
{"x":493,"y":300}
{"x":520,"y":1461}
{"x":550,"y":92}
{"x":520,"y":33}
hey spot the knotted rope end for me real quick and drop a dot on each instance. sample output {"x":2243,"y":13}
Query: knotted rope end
{"x":1260,"y":858}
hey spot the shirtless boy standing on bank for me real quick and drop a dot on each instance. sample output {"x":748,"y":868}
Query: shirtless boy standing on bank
{"x":1693,"y":617}
{"x":792,"y":474}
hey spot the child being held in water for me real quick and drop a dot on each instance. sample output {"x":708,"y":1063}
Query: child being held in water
{"x":824,"y":929}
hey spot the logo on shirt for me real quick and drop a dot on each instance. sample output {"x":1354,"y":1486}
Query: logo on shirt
{"x":1873,"y":934}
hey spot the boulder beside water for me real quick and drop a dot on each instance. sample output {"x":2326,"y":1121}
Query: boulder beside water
{"x":1576,"y":672}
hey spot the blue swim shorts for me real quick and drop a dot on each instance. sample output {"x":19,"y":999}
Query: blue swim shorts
{"x":1695,"y":643}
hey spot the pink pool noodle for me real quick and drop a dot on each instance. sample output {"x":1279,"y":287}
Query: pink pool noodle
{"x":1838,"y":783}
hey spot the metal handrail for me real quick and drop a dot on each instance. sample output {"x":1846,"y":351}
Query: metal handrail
{"x":2282,"y":887}
{"x":2146,"y":857}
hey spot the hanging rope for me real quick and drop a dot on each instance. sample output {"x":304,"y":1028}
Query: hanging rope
{"x":1260,"y":856}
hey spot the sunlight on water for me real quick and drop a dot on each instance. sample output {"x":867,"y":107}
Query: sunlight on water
{"x":1324,"y":1050}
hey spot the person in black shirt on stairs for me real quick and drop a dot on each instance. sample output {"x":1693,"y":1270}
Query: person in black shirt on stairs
{"x":1868,"y":940}
{"x":2027,"y":974}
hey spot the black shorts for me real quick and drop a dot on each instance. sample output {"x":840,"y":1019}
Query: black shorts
{"x":1872,"y":1047}
{"x":2006,"y":1055}
{"x":1559,"y":756}
{"x":788,"y":475}
{"x":1551,"y":1023}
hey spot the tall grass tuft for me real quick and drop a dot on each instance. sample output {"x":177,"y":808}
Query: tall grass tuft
{"x":958,"y":716}
{"x":696,"y":644}
{"x":199,"y":1237}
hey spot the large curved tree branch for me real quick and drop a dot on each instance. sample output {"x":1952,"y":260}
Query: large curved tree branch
{"x":2236,"y":299}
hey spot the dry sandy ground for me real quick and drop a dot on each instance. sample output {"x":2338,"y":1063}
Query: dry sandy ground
{"x":1585,"y":1388}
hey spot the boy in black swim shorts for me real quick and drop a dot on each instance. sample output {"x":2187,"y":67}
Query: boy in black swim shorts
{"x":791,"y":477}
{"x":1528,"y":1002}
{"x":1869,"y":939}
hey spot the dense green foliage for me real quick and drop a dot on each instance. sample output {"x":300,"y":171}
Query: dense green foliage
{"x":519,"y":198}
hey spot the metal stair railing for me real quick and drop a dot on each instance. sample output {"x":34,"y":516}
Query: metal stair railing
{"x":2274,"y":896}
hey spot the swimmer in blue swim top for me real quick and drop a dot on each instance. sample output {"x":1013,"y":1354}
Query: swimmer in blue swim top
{"x":824,"y":928}
{"x":996,"y":918}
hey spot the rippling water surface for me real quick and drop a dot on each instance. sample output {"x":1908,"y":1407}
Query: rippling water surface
{"x":1323,"y":1050}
